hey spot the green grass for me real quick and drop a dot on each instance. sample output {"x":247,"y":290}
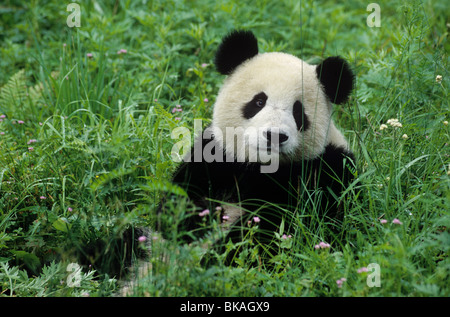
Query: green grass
{"x":102,"y":126}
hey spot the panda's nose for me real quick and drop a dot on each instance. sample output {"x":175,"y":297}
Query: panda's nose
{"x":278,"y":137}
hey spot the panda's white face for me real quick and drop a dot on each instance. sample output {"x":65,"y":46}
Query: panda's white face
{"x":274,"y":99}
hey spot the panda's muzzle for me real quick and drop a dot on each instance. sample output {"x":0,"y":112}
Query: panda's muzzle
{"x":275,"y":138}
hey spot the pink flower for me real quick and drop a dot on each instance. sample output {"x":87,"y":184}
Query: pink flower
{"x":397,"y":222}
{"x":204,"y":65}
{"x":69,"y":209}
{"x":177,"y":118}
{"x":20,"y":122}
{"x":43,"y":197}
{"x":204,"y":213}
{"x":2,"y":133}
{"x":256,"y":219}
{"x":340,"y":281}
{"x":205,"y":100}
{"x":2,"y":116}
{"x":142,"y":238}
{"x":363,"y":269}
{"x":383,"y":221}
{"x":122,"y":51}
{"x":40,"y":123}
{"x":89,"y":55}
{"x":226,"y":217}
{"x":31,"y":141}
{"x":285,"y":237}
{"x":31,"y":149}
{"x":177,"y":109}
{"x":322,"y":245}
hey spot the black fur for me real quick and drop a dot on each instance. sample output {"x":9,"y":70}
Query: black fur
{"x":337,"y":79}
{"x":235,"y":48}
{"x":289,"y":187}
{"x":300,"y":117}
{"x":254,"y":106}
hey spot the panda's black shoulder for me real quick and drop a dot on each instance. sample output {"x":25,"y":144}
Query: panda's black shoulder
{"x":336,"y":153}
{"x":336,"y":162}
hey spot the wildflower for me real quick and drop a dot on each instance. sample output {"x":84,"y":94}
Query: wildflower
{"x":142,"y":238}
{"x":177,"y":118}
{"x":322,"y":245}
{"x":383,"y":221}
{"x":2,"y":116}
{"x":40,"y":123}
{"x":177,"y":108}
{"x":2,"y":133}
{"x":438,"y":78}
{"x":445,"y":122}
{"x":394,"y":123}
{"x":204,"y":65}
{"x":363,"y":269}
{"x":204,"y":213}
{"x":205,"y":100}
{"x":225,"y":217}
{"x":285,"y":237}
{"x":218,"y":208}
{"x":31,"y":149}
{"x":340,"y":281}
{"x":43,"y":197}
{"x":69,"y":209}
{"x":397,"y":222}
{"x":64,"y":44}
{"x":405,"y":136}
{"x":383,"y":126}
{"x":89,"y":55}
{"x":20,"y":122}
{"x":31,"y":141}
{"x":122,"y":51}
{"x":256,"y":219}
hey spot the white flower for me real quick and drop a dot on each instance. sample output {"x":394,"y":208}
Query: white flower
{"x":405,"y":136}
{"x":394,"y":123}
{"x":383,"y":126}
{"x":438,"y":78}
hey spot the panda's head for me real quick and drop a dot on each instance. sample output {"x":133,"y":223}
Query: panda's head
{"x":276,"y":99}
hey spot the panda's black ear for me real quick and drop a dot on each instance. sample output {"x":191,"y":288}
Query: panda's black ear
{"x":236,"y":47}
{"x":337,"y":79}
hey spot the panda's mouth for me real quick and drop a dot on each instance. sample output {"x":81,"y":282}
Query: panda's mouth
{"x":275,"y":140}
{"x":274,"y":148}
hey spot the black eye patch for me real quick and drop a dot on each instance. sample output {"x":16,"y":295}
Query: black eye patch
{"x":300,"y":117}
{"x":255,"y":105}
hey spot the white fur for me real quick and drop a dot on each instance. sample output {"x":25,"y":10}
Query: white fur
{"x":285,"y":79}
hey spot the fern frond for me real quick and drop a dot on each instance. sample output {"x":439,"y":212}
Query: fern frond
{"x":13,"y":93}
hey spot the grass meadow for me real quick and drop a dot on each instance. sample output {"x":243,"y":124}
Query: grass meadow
{"x":86,"y":115}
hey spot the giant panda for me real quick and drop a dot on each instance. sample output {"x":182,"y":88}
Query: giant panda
{"x":271,"y":106}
